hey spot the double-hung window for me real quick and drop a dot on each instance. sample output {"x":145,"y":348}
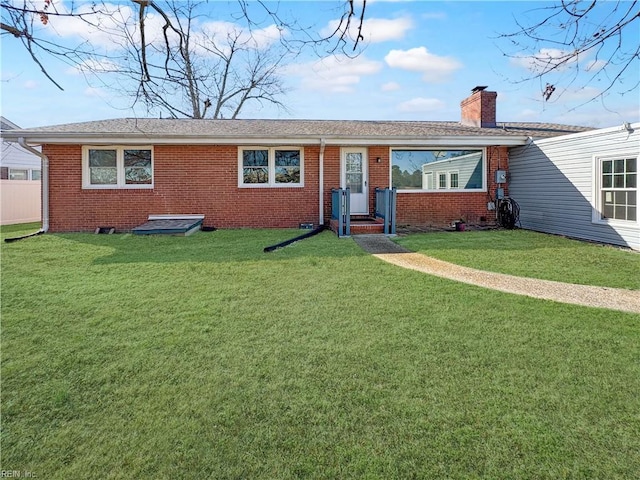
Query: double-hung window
{"x":453,"y":180}
{"x":270,"y":167}
{"x":442,"y":180}
{"x":117,"y":167}
{"x":617,"y":189}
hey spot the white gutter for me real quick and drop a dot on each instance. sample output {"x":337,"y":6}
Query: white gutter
{"x":45,"y":182}
{"x":338,"y":140}
{"x":321,"y":183}
{"x":626,"y":127}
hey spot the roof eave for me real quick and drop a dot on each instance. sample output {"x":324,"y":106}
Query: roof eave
{"x":341,"y":140}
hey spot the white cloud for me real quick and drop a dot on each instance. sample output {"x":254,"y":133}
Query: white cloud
{"x":94,"y":66}
{"x":103,"y":30}
{"x":266,"y":37}
{"x":374,"y":30}
{"x":545,"y":60}
{"x":434,"y":68}
{"x":390,"y":87}
{"x":595,"y":65}
{"x":220,"y":32}
{"x":421,"y":104}
{"x":106,"y":29}
{"x":336,"y":74}
{"x":584,"y":94}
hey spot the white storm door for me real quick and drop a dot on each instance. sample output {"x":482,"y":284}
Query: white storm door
{"x":355,"y":176}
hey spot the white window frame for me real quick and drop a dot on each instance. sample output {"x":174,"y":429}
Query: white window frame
{"x":12,"y":170}
{"x":271,"y":164}
{"x":453,"y":172}
{"x":439,"y":176}
{"x":120,"y":177}
{"x":597,"y":206}
{"x":428,"y":179}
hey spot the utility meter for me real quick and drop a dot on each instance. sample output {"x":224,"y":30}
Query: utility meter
{"x":501,"y":176}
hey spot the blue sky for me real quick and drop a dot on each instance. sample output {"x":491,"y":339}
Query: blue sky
{"x":421,"y":59}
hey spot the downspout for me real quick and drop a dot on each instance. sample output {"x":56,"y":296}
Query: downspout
{"x":321,"y":183}
{"x":45,"y":183}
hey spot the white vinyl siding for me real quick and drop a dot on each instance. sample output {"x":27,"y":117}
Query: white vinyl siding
{"x":557,"y":182}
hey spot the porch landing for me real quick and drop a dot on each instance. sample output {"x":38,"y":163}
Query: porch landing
{"x":361,"y":226}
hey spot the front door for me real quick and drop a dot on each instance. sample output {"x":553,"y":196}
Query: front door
{"x":355,"y":176}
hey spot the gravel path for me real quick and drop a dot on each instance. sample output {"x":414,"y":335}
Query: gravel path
{"x":602,"y":297}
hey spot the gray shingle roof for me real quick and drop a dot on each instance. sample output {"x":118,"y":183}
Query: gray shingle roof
{"x":294,"y":129}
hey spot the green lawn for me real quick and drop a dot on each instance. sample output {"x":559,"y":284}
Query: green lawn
{"x":203,"y":357}
{"x":531,"y":254}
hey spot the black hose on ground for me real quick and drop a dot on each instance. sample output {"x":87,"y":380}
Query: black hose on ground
{"x":292,"y":240}
{"x":15,"y":239}
{"x":508,"y":213}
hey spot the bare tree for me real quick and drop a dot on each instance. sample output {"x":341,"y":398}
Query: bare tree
{"x":165,"y":61}
{"x":564,"y":41}
{"x":235,"y":68}
{"x":27,"y":20}
{"x":170,"y":65}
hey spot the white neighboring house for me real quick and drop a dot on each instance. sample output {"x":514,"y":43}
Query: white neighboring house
{"x":20,"y":182}
{"x":582,"y":185}
{"x":463,"y":172}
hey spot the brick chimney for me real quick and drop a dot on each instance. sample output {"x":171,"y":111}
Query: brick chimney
{"x":479,"y":109}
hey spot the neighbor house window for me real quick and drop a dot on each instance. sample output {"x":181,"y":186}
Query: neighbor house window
{"x":117,"y":167}
{"x":618,"y":189}
{"x":18,"y":174}
{"x":442,"y":181}
{"x":432,"y":170}
{"x":36,"y":175}
{"x":428,"y":180}
{"x":453,"y":180}
{"x":270,"y":167}
{"x":446,"y":181}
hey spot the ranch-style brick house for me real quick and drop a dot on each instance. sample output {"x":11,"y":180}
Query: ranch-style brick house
{"x":276,"y":173}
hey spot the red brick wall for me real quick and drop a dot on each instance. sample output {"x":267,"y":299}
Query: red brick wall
{"x":331,"y":177}
{"x":204,"y":180}
{"x":479,"y":110}
{"x":378,"y":172}
{"x":442,"y":208}
{"x":187,"y":180}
